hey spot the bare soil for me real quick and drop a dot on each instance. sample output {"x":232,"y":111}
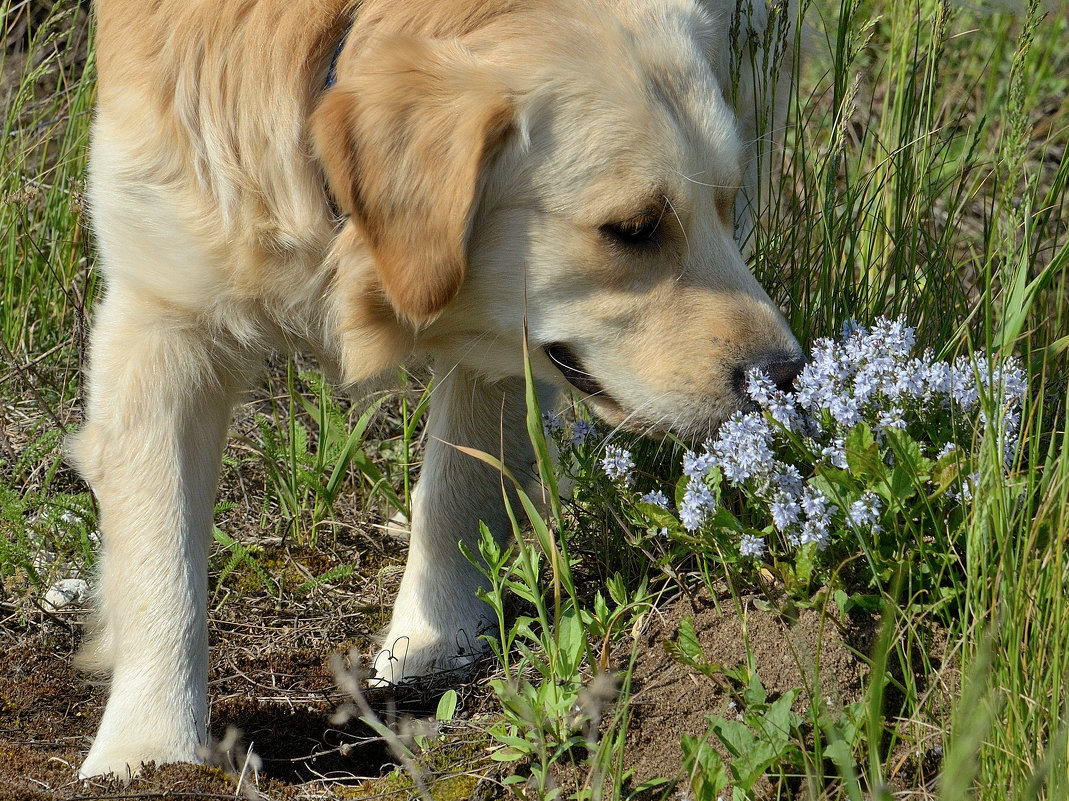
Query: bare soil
{"x":809,"y":652}
{"x":269,"y":679}
{"x":824,"y":654}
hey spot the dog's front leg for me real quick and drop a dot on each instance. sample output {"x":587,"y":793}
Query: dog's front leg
{"x":158,"y":407}
{"x":437,"y":618}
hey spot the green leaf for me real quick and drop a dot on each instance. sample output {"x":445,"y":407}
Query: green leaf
{"x":857,"y":600}
{"x":724,"y":519}
{"x":805,"y":562}
{"x":705,"y":768}
{"x":352,"y":443}
{"x":840,"y":753}
{"x":537,"y":434}
{"x":447,"y":707}
{"x":863,"y":453}
{"x":912,"y":468}
{"x":659,"y":517}
{"x":687,"y":642}
{"x":947,"y":471}
{"x":754,"y":694}
{"x":509,"y":755}
{"x":681,"y":490}
{"x":333,"y":574}
{"x":736,"y":736}
{"x":740,"y":674}
{"x":688,"y":650}
{"x":569,"y":644}
{"x":779,"y":721}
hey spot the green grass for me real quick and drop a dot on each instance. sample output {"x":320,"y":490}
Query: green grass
{"x":44,"y":254}
{"x":925,"y":174}
{"x":942,"y":202}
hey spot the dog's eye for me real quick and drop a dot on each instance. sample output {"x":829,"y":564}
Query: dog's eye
{"x":637,"y":232}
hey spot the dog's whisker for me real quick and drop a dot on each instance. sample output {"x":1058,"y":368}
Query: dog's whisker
{"x":632,"y":415}
{"x":575,"y":369}
{"x":686,"y":239}
{"x":691,"y":179}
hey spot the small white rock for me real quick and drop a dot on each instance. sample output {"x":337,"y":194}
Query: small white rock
{"x":66,"y":592}
{"x":399,"y":527}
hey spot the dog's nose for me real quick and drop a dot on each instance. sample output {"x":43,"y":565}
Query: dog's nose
{"x":783,"y":373}
{"x":782,"y":368}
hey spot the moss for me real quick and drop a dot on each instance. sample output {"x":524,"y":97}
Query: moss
{"x":452,"y":769}
{"x":400,"y":785}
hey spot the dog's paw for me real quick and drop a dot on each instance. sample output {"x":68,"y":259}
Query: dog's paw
{"x":124,"y":764}
{"x":124,"y":761}
{"x":404,"y":657}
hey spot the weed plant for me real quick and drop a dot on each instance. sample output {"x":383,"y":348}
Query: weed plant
{"x":312,"y":448}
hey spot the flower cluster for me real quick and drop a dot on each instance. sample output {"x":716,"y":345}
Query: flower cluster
{"x":617,"y":463}
{"x":576,"y":434}
{"x":866,"y":389}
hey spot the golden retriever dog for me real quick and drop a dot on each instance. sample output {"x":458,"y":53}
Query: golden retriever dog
{"x":386,"y":180}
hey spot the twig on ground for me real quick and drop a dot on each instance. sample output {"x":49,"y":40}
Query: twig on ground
{"x":349,"y":681}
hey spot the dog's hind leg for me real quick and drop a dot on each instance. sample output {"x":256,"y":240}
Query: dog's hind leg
{"x":159,"y":400}
{"x":438,"y":618}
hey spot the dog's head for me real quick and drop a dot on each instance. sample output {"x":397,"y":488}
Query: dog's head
{"x":575,"y":165}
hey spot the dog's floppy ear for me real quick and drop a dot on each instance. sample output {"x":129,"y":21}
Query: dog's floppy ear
{"x":404,"y":138}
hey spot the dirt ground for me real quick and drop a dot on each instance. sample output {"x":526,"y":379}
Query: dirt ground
{"x":817,"y":651}
{"x":269,"y":678}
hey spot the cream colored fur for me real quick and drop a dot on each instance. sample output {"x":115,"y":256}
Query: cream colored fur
{"x":490,"y":158}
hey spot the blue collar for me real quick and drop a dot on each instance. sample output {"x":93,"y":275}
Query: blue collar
{"x":332,"y":78}
{"x":332,"y":71}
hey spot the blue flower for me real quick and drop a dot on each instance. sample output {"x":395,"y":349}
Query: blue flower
{"x":835,"y":453}
{"x":788,"y":480}
{"x":698,"y":503}
{"x":845,"y":410}
{"x":891,"y":418}
{"x":864,"y":512}
{"x":815,"y":503}
{"x":696,"y":465}
{"x":783,"y":411}
{"x":870,"y":376}
{"x":655,"y":497}
{"x":785,"y":511}
{"x":744,"y":447}
{"x":751,"y":546}
{"x":582,"y":430}
{"x":910,"y":380}
{"x":814,"y":531}
{"x":949,"y":447}
{"x":850,"y":327}
{"x":617,"y":464}
{"x":963,"y":386}
{"x":938,"y":379}
{"x":759,"y":387}
{"x":552,"y":423}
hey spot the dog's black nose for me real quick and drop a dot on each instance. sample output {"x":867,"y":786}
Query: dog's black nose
{"x":781,"y":368}
{"x":783,"y":373}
